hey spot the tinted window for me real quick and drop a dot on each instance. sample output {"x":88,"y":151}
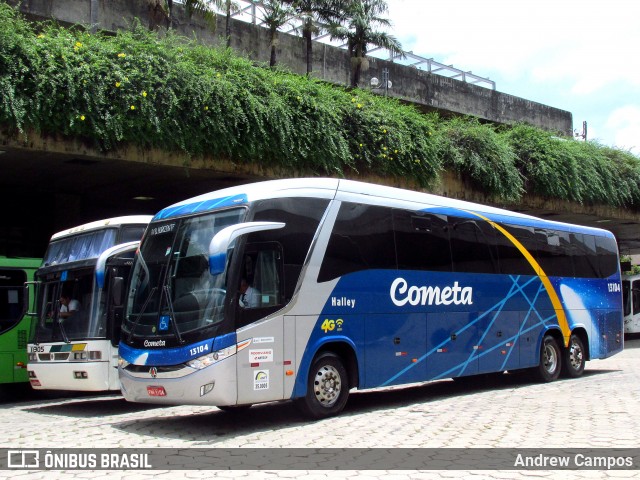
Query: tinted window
{"x":626,"y":297}
{"x":473,"y":246}
{"x":422,"y":241}
{"x":362,"y":239}
{"x":607,"y":251}
{"x":584,"y":255}
{"x":302,"y":217}
{"x":635,"y":295}
{"x":555,"y":257}
{"x":132,"y":233}
{"x":511,"y":259}
{"x":11,"y":297}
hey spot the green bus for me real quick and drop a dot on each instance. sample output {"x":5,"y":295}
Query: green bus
{"x":16,"y":302}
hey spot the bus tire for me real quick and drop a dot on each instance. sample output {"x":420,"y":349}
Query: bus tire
{"x":327,"y":387}
{"x":574,"y":358}
{"x":550,"y":360}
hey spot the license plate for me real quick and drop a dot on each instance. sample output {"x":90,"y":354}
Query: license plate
{"x":156,"y":392}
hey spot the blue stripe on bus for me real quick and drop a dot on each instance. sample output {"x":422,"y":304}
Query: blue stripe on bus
{"x":501,"y":329}
{"x":201,"y":206}
{"x":177,"y":355}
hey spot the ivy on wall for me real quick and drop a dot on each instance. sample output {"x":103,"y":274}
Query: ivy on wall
{"x":172,"y":93}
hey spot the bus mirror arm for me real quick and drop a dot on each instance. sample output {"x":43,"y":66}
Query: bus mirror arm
{"x":221,"y":241}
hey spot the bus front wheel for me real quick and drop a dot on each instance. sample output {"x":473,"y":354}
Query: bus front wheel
{"x":574,"y":358}
{"x":327,"y":387}
{"x":550,"y":360}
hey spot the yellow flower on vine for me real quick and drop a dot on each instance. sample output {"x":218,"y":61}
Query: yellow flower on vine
{"x":82,"y":117}
{"x":206,"y":107}
{"x":133,"y":107}
{"x":359,"y":105}
{"x":144,"y":94}
{"x":118,"y":84}
{"x":122,"y":55}
{"x":41,"y":36}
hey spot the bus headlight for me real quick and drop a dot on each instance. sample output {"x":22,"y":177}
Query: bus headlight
{"x":122,"y":363}
{"x":209,"y":359}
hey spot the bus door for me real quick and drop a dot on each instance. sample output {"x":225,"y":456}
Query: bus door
{"x":11,"y":312}
{"x":260,"y":365}
{"x":632,"y":306}
{"x":112,"y":297}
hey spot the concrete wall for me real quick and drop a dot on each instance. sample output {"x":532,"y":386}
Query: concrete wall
{"x":429,"y":91}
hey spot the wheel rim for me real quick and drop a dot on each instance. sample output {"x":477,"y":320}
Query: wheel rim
{"x":550,"y":359}
{"x":575,"y":356}
{"x":327,"y":386}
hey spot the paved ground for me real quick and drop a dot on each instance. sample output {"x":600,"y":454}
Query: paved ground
{"x":601,"y":409}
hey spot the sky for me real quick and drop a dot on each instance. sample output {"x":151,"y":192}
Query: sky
{"x":579,"y":56}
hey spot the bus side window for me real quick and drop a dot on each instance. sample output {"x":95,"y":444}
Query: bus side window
{"x":422,"y":241}
{"x":635,"y":295}
{"x":362,"y":239}
{"x":473,"y":246}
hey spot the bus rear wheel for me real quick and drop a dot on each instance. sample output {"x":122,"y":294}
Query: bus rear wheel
{"x":550,"y":360}
{"x":574,"y":358}
{"x":327,"y":388}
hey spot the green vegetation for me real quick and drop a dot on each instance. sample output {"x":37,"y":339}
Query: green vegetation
{"x":171,"y":93}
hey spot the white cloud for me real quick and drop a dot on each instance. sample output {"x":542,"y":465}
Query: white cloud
{"x":625,"y":123}
{"x":563,"y":53}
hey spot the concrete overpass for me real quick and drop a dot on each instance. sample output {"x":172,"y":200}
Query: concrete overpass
{"x":49,"y":184}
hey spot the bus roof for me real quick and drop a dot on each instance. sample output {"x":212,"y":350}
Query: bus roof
{"x":20,"y":262}
{"x":350,"y":190}
{"x":107,"y":222}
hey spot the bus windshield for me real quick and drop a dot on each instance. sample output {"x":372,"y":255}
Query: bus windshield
{"x":65,"y":307}
{"x":80,"y":247}
{"x":172,"y":291}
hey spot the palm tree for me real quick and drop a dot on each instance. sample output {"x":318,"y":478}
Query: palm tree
{"x":201,"y":7}
{"x":310,"y":13}
{"x":358,"y":28}
{"x":204,"y":8}
{"x":276,"y":14}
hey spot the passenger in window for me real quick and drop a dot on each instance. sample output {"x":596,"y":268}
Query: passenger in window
{"x":68,"y":305}
{"x":249,"y":296}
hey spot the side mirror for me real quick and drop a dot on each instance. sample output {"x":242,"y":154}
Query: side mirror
{"x":101,"y":264}
{"x":117,"y":285}
{"x":221,"y":241}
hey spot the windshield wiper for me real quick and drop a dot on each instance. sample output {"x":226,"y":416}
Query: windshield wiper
{"x":167,"y":293}
{"x":59,"y":321}
{"x":139,"y":316}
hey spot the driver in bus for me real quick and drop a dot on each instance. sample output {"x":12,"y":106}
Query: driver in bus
{"x":68,"y":305}
{"x":249,"y":296}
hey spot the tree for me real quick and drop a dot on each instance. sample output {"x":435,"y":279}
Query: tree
{"x":276,"y":14}
{"x":228,"y":6}
{"x":358,"y":27}
{"x":310,"y":13}
{"x":204,"y":8}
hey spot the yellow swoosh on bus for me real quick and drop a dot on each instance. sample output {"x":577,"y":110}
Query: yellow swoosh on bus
{"x":553,"y":295}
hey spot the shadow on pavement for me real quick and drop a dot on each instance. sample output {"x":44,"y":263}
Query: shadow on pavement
{"x":93,"y":407}
{"x":218,"y":425}
{"x":632,"y":340}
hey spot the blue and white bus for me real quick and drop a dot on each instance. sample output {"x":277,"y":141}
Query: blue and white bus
{"x":356,"y":285}
{"x":79,"y":302}
{"x":631,"y":302}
